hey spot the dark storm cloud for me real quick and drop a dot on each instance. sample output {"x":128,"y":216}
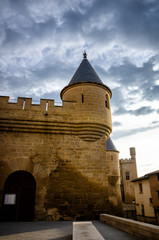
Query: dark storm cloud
{"x":151,"y":92}
{"x":140,"y":111}
{"x":116,"y":124}
{"x":131,"y":75}
{"x":12,"y":37}
{"x":52,"y":71}
{"x":136,"y":83}
{"x":133,"y":21}
{"x":125,"y":133}
{"x":120,"y":111}
{"x":139,"y":18}
{"x":99,"y":21}
{"x":155,"y":122}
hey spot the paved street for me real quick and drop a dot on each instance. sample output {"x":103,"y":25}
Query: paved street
{"x":53,"y":231}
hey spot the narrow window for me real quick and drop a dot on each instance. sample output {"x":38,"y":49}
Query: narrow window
{"x":142,"y":210}
{"x":46,"y":106}
{"x":127,"y":175}
{"x":82,"y":98}
{"x":158,"y":194}
{"x":107,"y":102}
{"x":111,"y":157}
{"x":150,"y":201}
{"x":23,"y":104}
{"x":158,"y":177}
{"x":140,"y":188}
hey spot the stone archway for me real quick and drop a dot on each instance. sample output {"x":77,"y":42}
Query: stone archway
{"x":19,"y":197}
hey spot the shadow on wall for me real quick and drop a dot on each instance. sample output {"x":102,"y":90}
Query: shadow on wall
{"x":71,"y":196}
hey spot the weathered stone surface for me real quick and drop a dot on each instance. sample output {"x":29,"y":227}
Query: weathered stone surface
{"x":64,"y":149}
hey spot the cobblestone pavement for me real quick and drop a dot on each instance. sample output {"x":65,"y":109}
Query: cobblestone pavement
{"x":61,"y":230}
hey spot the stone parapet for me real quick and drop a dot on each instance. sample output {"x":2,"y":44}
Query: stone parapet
{"x":125,"y":161}
{"x":140,"y":230}
{"x":46,"y":105}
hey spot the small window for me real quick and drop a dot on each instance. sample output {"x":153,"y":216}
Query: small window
{"x":46,"y":106}
{"x":158,"y":194}
{"x":107,"y":102}
{"x":111,"y":157}
{"x":142,"y":210}
{"x":82,"y":98}
{"x":127,"y":175}
{"x":158,"y":177}
{"x":23,"y":104}
{"x":150,"y":201}
{"x":140,"y":188}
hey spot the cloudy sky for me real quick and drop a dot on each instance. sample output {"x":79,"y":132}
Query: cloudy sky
{"x":41,"y":46}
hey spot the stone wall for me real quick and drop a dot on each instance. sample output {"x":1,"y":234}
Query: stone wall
{"x":112,"y":158}
{"x":64,"y":149}
{"x":72,"y":180}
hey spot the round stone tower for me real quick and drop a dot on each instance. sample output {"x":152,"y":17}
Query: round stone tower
{"x":94,"y":171}
{"x":93,"y":101}
{"x":114,"y":173}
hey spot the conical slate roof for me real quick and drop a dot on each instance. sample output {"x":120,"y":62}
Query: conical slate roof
{"x":110,"y":145}
{"x":85,"y":73}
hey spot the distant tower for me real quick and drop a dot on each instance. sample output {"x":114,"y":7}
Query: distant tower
{"x":128,"y":172}
{"x":133,"y":153}
{"x":112,"y":155}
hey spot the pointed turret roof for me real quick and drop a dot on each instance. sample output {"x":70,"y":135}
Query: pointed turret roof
{"x":110,"y":145}
{"x":85,"y":73}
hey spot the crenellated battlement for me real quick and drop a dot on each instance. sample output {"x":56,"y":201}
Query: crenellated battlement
{"x":130,"y":160}
{"x":46,"y":117}
{"x":46,"y":105}
{"x":85,"y":111}
{"x":126,"y":160}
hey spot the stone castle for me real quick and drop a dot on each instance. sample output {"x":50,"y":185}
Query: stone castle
{"x":58,"y":162}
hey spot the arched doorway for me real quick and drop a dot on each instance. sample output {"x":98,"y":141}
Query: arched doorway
{"x":19,"y":197}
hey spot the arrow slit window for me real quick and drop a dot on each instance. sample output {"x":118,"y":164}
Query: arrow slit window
{"x":107,"y":102}
{"x":82,"y":98}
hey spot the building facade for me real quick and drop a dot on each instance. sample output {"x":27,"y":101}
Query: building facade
{"x":147,"y":197}
{"x":53,"y":160}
